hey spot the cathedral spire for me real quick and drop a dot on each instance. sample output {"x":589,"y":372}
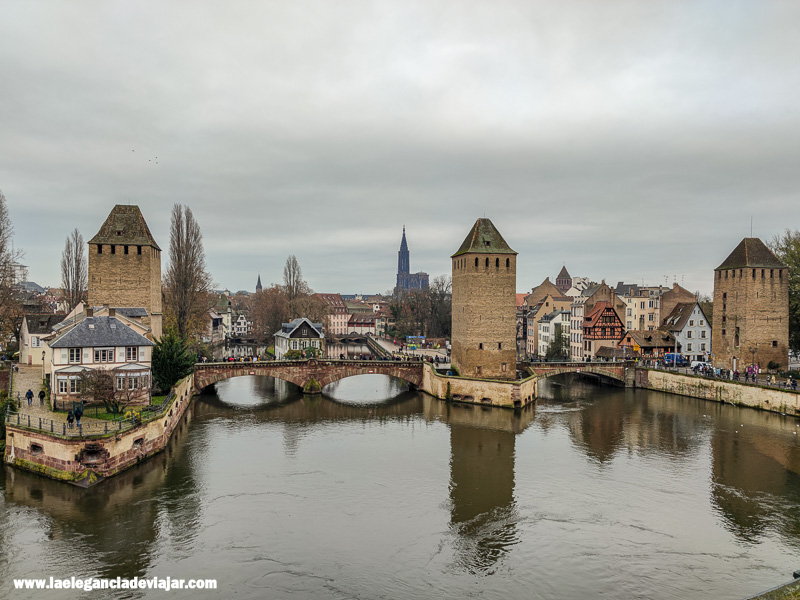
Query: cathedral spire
{"x":258,"y":283}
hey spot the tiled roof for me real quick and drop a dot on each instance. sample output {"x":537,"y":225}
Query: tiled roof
{"x":125,"y":225}
{"x":563,"y":274}
{"x":751,"y":252}
{"x":484,"y":238}
{"x":677,"y":318}
{"x":100,"y":331}
{"x":651,"y":339}
{"x":39,"y":324}
{"x":590,"y":320}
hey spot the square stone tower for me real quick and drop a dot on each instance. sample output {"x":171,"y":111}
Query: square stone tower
{"x":751,"y":308}
{"x":125,"y":265}
{"x":484,"y":305}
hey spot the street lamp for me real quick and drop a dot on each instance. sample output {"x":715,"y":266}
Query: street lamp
{"x":753,"y":350}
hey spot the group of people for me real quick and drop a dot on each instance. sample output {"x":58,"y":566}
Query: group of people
{"x":29,"y":397}
{"x":751,"y":374}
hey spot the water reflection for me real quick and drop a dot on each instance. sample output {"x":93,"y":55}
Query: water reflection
{"x":108,"y":530}
{"x":756,"y":473}
{"x":379,"y":490}
{"x":482,"y":515}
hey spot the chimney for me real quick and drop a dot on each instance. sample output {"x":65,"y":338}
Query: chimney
{"x":89,"y":312}
{"x":112,"y":312}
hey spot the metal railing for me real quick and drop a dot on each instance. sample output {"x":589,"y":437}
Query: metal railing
{"x":93,"y":428}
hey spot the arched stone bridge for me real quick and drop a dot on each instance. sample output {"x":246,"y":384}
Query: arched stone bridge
{"x":311,"y":375}
{"x":624,"y":372}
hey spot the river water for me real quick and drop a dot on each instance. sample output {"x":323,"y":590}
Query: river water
{"x":376,"y":492}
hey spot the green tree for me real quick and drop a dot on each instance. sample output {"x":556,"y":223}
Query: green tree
{"x":787,"y":248}
{"x":558,"y":349}
{"x":172,"y":360}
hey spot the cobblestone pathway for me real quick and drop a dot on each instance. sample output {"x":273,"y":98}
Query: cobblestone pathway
{"x":30,"y":378}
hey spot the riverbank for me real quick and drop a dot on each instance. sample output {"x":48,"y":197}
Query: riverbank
{"x":87,"y":459}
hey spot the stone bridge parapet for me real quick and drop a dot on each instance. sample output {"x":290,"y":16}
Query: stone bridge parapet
{"x":311,"y":375}
{"x":624,"y":372}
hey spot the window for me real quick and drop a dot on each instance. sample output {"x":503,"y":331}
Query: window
{"x":74,"y":355}
{"x":74,"y":386}
{"x":487,"y":262}
{"x":113,"y":249}
{"x":774,"y":343}
{"x":691,"y":322}
{"x":497,"y":263}
{"x":650,"y":317}
{"x":62,"y":385}
{"x":642,"y":305}
{"x":688,"y":347}
{"x":133,"y":382}
{"x":99,"y":248}
{"x":702,"y":347}
{"x":138,"y":249}
{"x":36,"y":342}
{"x":630,"y":312}
{"x":702,"y":322}
{"x":508,"y":263}
{"x":132,"y":353}
{"x":689,"y":334}
{"x":499,"y":345}
{"x":480,"y":346}
{"x":120,"y":382}
{"x":476,"y":261}
{"x":650,"y":304}
{"x":102,"y":355}
{"x":478,"y":370}
{"x":126,"y":249}
{"x":703,"y":334}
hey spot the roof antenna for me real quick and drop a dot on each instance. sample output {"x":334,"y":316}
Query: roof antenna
{"x":751,"y":225}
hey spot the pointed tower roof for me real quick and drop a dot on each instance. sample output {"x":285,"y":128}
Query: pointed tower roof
{"x":125,"y":225}
{"x":258,"y":283}
{"x":563,"y":274}
{"x":751,"y":252}
{"x":403,"y":243}
{"x":484,"y":238}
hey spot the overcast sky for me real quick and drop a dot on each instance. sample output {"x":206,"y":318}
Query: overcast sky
{"x":628,"y":140}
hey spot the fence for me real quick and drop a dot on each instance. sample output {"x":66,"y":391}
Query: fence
{"x":88,"y":429}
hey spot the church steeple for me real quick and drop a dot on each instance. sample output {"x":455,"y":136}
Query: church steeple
{"x":258,"y":283}
{"x":402,"y":256}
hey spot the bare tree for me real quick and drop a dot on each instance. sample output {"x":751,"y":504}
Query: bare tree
{"x":294,"y":285}
{"x":268,"y":309}
{"x":10,"y":302}
{"x":186,"y":282}
{"x":74,"y":271}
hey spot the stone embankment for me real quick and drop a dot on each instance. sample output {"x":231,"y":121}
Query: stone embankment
{"x":779,"y":400}
{"x":87,"y":459}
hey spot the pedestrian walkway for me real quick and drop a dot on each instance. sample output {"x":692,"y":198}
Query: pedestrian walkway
{"x":30,"y":378}
{"x":394,"y":348}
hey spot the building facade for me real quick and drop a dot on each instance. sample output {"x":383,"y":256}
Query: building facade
{"x":125,"y":265}
{"x":692,"y":331}
{"x":300,"y":334}
{"x":751,"y":308}
{"x":405,"y":279}
{"x":100,"y":343}
{"x":484,"y":313}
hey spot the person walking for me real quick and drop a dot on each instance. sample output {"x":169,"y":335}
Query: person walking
{"x":79,"y":413}
{"x":41,"y":397}
{"x":29,"y":396}
{"x":70,"y":418}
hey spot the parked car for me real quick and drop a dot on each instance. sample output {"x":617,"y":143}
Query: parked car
{"x":700,"y":364}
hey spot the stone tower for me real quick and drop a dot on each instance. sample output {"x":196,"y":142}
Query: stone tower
{"x":563,"y":280}
{"x":484,"y":305}
{"x":125,"y":265}
{"x":751,"y":308}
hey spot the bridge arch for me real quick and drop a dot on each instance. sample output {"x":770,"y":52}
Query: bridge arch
{"x":618,"y":371}
{"x":311,"y":375}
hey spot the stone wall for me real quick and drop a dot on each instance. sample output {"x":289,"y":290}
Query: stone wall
{"x":484,"y":340}
{"x":509,"y":394}
{"x":756,"y":302}
{"x":86,"y":460}
{"x":732,"y":392}
{"x":131,"y":279}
